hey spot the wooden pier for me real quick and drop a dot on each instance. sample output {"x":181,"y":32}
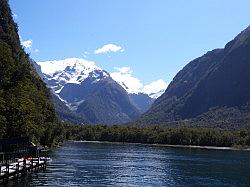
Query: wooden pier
{"x":21,"y":167}
{"x":18,"y":156}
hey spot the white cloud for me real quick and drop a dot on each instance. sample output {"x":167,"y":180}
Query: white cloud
{"x":124,"y":76}
{"x":109,"y":48}
{"x":85,"y":54}
{"x":27,"y":44}
{"x":15,"y":16}
{"x":124,"y":70}
{"x":155,"y":87}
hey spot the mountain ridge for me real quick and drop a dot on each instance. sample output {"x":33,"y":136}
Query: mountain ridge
{"x":214,"y":80}
{"x":75,"y":82}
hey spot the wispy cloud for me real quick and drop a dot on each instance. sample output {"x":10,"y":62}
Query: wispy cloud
{"x":85,"y":54}
{"x":124,"y":70}
{"x":109,"y":48}
{"x":155,"y":87}
{"x":27,"y":44}
{"x":124,"y":76}
{"x":15,"y":16}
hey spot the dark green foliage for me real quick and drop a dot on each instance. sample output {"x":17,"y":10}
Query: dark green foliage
{"x":25,"y":109}
{"x":158,"y":135}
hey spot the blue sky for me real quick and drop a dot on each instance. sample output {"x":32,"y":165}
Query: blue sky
{"x":158,"y":37}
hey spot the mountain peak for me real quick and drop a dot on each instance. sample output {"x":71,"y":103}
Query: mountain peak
{"x":215,"y":84}
{"x":84,"y":92}
{"x":71,"y":70}
{"x":76,"y":64}
{"x":239,"y":40}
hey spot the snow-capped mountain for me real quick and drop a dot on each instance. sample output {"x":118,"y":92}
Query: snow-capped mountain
{"x":92,"y":94}
{"x":87,"y":91}
{"x":124,"y":76}
{"x":157,"y":94}
{"x":142,"y":96}
{"x":58,"y":73}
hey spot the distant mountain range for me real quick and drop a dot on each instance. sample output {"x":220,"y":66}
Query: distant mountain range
{"x":211,"y":91}
{"x":85,"y":93}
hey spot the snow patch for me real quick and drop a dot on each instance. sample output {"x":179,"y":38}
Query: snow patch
{"x":155,"y":88}
{"x":156,"y":95}
{"x":74,"y":106}
{"x":71,"y":70}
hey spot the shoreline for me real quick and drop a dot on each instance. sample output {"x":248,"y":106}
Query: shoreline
{"x":168,"y":145}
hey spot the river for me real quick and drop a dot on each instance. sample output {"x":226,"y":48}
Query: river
{"x":109,"y":164}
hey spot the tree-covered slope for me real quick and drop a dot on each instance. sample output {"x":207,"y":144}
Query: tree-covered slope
{"x":25,"y":108}
{"x":217,"y":81}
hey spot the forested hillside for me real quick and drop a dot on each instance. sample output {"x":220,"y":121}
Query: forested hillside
{"x":25,"y":108}
{"x":210,"y":91}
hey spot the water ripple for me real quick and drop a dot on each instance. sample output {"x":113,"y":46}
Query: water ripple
{"x":93,"y":164}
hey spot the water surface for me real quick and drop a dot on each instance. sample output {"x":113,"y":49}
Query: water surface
{"x":106,"y":164}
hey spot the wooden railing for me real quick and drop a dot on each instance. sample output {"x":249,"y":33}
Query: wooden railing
{"x":11,"y":170}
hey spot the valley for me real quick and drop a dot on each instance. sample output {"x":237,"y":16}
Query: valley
{"x":155,"y":101}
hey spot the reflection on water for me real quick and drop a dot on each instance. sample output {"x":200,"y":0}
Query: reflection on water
{"x":99,"y":164}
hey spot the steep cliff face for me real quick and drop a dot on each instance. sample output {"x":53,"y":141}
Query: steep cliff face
{"x":25,"y":108}
{"x":109,"y":104}
{"x":218,"y":79}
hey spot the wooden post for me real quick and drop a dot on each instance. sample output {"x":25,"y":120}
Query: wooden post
{"x":7,"y":171}
{"x":38,"y":164}
{"x":32,"y":162}
{"x":45,"y":162}
{"x":17,"y":168}
{"x":24,"y":166}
